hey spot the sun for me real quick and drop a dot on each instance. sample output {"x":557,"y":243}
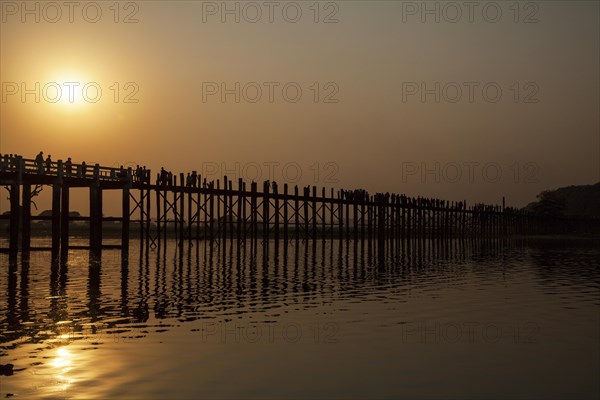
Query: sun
{"x":72,"y":91}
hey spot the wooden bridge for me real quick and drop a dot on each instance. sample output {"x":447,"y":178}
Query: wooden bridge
{"x":190,"y":208}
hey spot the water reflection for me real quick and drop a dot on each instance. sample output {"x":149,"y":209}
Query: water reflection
{"x":87,"y":299}
{"x":208,"y":279}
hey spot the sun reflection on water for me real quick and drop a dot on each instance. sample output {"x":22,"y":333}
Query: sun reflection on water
{"x":63,"y":364}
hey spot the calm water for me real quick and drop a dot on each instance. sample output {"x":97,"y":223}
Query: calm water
{"x":331,"y":320}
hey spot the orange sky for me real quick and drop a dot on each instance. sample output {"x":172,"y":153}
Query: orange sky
{"x":364,"y":127}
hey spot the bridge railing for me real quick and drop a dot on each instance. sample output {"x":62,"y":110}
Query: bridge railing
{"x":17,"y":164}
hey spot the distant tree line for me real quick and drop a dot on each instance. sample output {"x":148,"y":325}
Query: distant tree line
{"x":569,"y":201}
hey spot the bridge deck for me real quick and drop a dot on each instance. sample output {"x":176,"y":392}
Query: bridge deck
{"x":191,"y":207}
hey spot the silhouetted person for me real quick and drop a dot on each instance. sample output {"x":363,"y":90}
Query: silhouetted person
{"x":83,"y":169}
{"x":122,"y":173}
{"x":69,"y":167}
{"x":39,"y":161}
{"x":48,"y":163}
{"x":163,"y":176}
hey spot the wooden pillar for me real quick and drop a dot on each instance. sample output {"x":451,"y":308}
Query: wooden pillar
{"x":64,"y":220}
{"x":225,"y":206}
{"x":182,"y":205}
{"x":277,"y":211}
{"x":362,"y":217}
{"x":296,"y":213}
{"x":332,"y":214}
{"x":411,"y":218}
{"x":314,"y":213}
{"x":198,"y":209}
{"x":125,"y":211}
{"x":392,"y":217}
{"x":165,"y":228}
{"x":245,"y":212}
{"x":14,"y":217}
{"x":175,"y":210}
{"x":341,"y":214}
{"x":285,"y":213}
{"x":141,"y":222}
{"x":55,"y":218}
{"x":211,"y":208}
{"x":347,"y":200}
{"x":370,"y":218}
{"x":355,"y":215}
{"x":323,"y":214}
{"x":253,"y":211}
{"x":204,"y":194}
{"x":266,"y":216}
{"x":189,"y":213}
{"x":158,"y":216}
{"x":217,"y":195}
{"x":26,"y":218}
{"x":380,"y":221}
{"x":306,"y":218}
{"x":241,"y":201}
{"x":148,"y":214}
{"x":231,"y":229}
{"x":95,"y":216}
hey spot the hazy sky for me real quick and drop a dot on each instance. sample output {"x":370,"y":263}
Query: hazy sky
{"x":369,"y":73}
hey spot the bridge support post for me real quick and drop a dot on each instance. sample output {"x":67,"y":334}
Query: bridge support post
{"x":125,"y":215}
{"x":340,"y":215}
{"x":55,"y":218}
{"x":14,"y":218}
{"x":95,"y":217}
{"x":380,"y":222}
{"x":276,"y":214}
{"x":141,"y":206}
{"x":148,"y":214}
{"x":64,"y":221}
{"x":26,"y":218}
{"x":241,"y":201}
{"x":158,"y":216}
{"x":181,"y":226}
{"x":285,"y":214}
{"x":314,"y":213}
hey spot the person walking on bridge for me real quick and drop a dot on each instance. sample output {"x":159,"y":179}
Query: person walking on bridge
{"x":39,"y":162}
{"x":69,"y":167}
{"x":48,"y":164}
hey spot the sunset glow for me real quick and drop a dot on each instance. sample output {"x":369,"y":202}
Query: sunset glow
{"x":299,"y":199}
